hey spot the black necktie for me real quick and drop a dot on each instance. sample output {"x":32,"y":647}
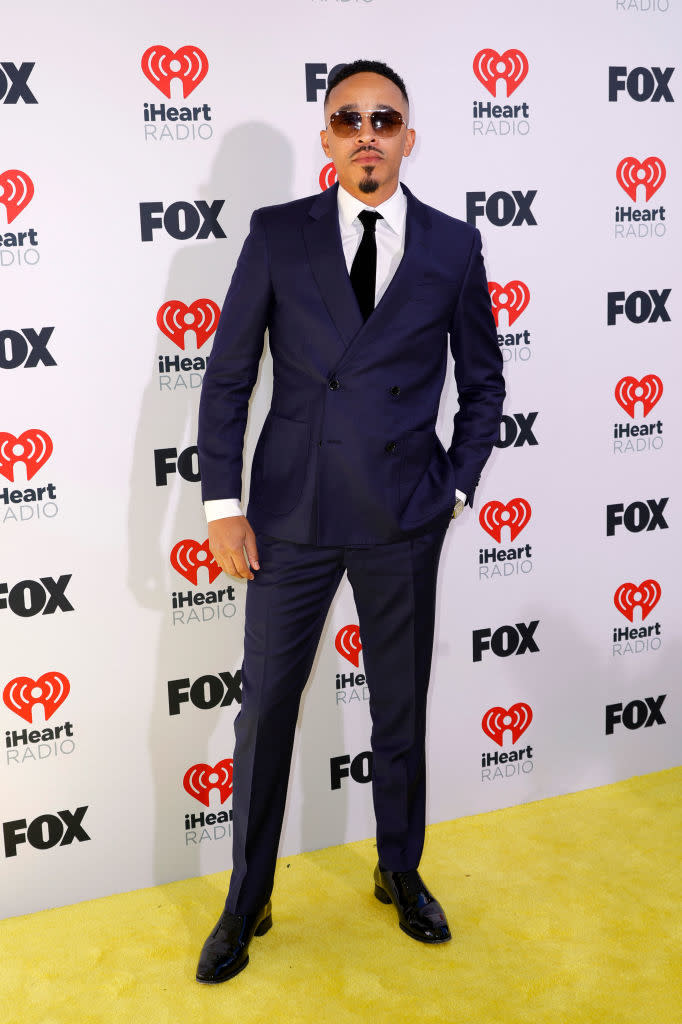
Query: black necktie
{"x":363,"y":272}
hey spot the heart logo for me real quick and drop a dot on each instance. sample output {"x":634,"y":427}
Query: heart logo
{"x":328,"y":176}
{"x":23,"y":693}
{"x":491,"y":66}
{"x":515,"y":514}
{"x":174,"y":319}
{"x":348,"y":644}
{"x":33,"y":448}
{"x":161,"y":66}
{"x":200,"y":779}
{"x":628,"y":597}
{"x":16,"y":192}
{"x":188,"y":556}
{"x":513,"y":296}
{"x":629,"y":391}
{"x":650,"y":172}
{"x":517,"y":719}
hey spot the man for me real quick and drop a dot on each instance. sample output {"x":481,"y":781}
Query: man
{"x":359,"y":287}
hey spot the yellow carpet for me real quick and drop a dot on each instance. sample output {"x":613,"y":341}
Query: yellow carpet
{"x":562,"y":911}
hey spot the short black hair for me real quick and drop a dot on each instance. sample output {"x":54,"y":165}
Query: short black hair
{"x":376,"y":67}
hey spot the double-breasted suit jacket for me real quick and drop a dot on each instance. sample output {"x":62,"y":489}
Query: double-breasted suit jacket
{"x":349,"y":453}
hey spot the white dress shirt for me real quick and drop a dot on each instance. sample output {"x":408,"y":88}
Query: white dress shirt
{"x":390,"y":238}
{"x":390,"y":234}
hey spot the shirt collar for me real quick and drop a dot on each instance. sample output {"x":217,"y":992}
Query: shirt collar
{"x":393,"y":210}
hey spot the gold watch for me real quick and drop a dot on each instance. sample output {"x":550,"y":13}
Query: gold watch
{"x":459,"y":507}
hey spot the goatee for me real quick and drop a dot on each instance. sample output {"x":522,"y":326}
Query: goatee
{"x":368,"y":185}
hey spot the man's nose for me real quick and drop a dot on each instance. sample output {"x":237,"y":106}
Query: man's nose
{"x":367,"y":130}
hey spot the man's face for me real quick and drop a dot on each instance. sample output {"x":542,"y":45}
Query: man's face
{"x":367,"y":165}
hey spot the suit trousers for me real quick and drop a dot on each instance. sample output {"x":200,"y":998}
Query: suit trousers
{"x":394,"y":586}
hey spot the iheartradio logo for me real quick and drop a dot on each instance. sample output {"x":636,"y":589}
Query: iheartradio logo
{"x":16,"y":192}
{"x":188,"y":556}
{"x":512,"y":297}
{"x":630,"y":173}
{"x":161,"y":66}
{"x":645,"y":597}
{"x":328,"y":176}
{"x":23,"y":693}
{"x":348,"y":644}
{"x":200,"y":779}
{"x":33,"y":448}
{"x":629,"y":391}
{"x":490,"y":67}
{"x":494,"y":516}
{"x":517,"y":719}
{"x":175,"y":318}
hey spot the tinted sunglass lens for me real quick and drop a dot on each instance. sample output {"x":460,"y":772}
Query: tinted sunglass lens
{"x":386,"y":122}
{"x":346,"y":123}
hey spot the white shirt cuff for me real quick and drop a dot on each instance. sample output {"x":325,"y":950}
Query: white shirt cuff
{"x":461,"y":496}
{"x":221,"y":508}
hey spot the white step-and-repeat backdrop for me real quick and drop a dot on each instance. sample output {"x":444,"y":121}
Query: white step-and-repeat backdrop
{"x":136,"y":142}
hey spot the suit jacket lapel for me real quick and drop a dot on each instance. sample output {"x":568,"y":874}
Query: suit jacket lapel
{"x":411,"y":267}
{"x":410,"y":270}
{"x":323,"y":242}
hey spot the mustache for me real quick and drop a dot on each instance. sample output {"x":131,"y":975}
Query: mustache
{"x":369,"y":149}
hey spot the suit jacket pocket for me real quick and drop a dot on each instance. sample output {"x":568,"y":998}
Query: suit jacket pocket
{"x":426,"y":477}
{"x":279,"y":464}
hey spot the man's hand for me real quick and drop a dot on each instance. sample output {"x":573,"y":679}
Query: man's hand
{"x":228,"y":540}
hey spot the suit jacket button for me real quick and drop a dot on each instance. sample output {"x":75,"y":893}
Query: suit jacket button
{"x":334,"y":384}
{"x":391,"y":447}
{"x":395,"y":390}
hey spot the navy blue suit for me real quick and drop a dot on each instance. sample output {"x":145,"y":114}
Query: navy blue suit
{"x":348,"y":475}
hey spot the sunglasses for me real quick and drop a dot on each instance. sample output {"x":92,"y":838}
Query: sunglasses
{"x":347,"y":123}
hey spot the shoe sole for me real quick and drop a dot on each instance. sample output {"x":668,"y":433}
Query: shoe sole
{"x":381,"y":894}
{"x":263,"y":927}
{"x":383,"y":897}
{"x":419,"y":938}
{"x":225,"y":977}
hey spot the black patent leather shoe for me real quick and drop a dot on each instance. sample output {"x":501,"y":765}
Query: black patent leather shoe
{"x":226,"y":950}
{"x":419,"y":914}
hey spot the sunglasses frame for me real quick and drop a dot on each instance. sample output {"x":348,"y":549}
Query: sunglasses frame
{"x":388,"y":110}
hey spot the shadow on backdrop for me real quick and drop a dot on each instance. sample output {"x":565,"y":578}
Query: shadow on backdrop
{"x":253,"y":168}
